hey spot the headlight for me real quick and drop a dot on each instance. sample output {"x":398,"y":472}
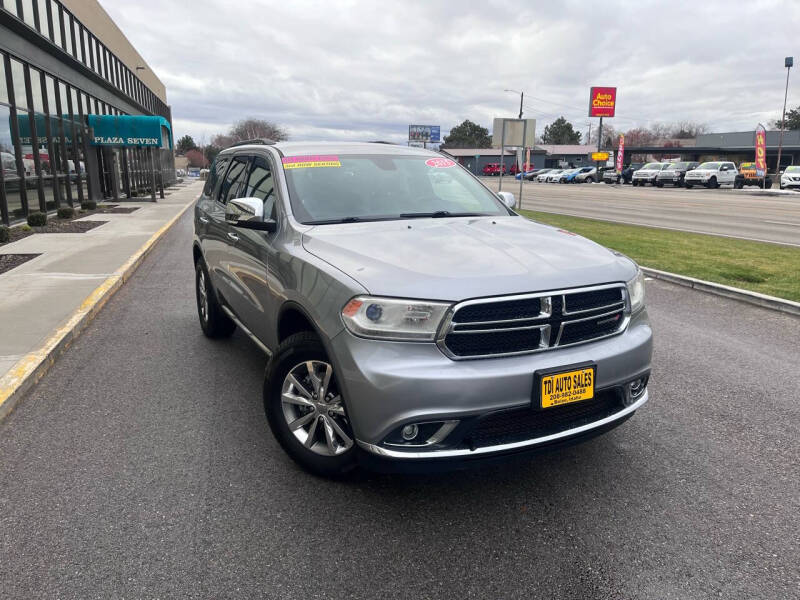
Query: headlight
{"x":394,"y":318}
{"x":636,"y":291}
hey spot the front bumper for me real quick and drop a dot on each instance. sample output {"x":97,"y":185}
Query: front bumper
{"x":390,"y":384}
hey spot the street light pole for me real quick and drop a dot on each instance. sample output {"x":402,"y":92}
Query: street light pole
{"x":521,"y":95}
{"x":788,"y":62}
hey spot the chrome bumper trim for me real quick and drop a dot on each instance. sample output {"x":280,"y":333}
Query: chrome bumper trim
{"x":466,"y":452}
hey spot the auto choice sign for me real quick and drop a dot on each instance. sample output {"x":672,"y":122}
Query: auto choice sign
{"x":602,"y":101}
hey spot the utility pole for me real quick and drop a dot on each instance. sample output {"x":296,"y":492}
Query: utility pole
{"x":788,"y":62}
{"x":521,"y":95}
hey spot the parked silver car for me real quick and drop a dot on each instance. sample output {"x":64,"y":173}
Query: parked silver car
{"x":410,"y":315}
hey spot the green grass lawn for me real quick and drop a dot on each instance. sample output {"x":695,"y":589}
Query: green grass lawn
{"x":766,"y":268}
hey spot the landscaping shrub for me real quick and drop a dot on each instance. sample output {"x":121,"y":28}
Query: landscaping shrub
{"x":88,"y":205}
{"x":37,"y":219}
{"x":4,"y":235}
{"x":66,"y":212}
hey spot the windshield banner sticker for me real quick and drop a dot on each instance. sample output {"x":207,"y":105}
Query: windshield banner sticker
{"x":316,"y":160}
{"x":440,"y":163}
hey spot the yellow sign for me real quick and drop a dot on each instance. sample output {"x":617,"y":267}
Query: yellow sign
{"x":600,"y":156}
{"x":571,"y":386}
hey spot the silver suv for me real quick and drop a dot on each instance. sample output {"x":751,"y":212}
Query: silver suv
{"x":411,"y":317}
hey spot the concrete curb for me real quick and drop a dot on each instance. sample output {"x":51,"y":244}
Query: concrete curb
{"x":771,"y":302}
{"x":31,"y":367}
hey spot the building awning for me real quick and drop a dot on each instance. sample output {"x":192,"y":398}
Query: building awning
{"x":127,"y":130}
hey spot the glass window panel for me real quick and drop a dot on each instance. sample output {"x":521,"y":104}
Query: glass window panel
{"x":56,"y":15}
{"x":11,"y":6}
{"x":36,"y":90}
{"x":3,"y":90}
{"x":68,"y":33}
{"x":85,"y":47}
{"x":44,"y":26}
{"x":62,"y":94}
{"x":18,"y":76}
{"x":27,"y":12}
{"x":50,"y":88}
{"x":8,"y":162}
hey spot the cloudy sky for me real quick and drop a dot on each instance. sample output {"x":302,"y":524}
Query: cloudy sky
{"x":366,"y":70}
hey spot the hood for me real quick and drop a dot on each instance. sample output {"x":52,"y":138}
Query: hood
{"x":702,"y":172}
{"x":647,"y":171}
{"x":459,"y":258}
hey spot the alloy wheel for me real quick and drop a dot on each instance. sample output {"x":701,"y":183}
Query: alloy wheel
{"x":313,"y":409}
{"x":202,"y":295}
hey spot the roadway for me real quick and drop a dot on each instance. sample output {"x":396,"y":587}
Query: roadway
{"x":720,"y":212}
{"x":141,"y":466}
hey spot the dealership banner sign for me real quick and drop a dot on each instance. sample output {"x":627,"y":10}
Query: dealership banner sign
{"x":424,"y":133}
{"x":602,"y":101}
{"x":761,"y":151}
{"x":620,"y":154}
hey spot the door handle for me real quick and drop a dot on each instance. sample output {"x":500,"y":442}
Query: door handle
{"x":233,"y":236}
{"x":204,"y":220}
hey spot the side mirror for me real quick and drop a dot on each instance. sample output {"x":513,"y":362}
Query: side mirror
{"x":782,"y":172}
{"x":508,"y":199}
{"x":248,"y":213}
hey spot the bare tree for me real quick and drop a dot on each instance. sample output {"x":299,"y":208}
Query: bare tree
{"x":250,"y":129}
{"x":686,"y":129}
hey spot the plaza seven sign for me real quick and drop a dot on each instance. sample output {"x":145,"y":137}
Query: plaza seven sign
{"x":620,"y":154}
{"x":602,"y":101}
{"x":761,"y":151}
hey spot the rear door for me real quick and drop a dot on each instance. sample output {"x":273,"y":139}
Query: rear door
{"x":251,"y":253}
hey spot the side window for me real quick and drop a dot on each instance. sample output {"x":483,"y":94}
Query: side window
{"x":233,"y":178}
{"x":260,"y":184}
{"x":215,"y":176}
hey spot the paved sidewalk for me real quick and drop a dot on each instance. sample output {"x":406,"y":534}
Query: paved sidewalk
{"x":74,"y":271}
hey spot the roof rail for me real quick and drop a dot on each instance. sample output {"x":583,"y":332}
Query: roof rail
{"x":262,"y":141}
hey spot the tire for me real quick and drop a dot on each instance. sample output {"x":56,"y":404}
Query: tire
{"x":738,"y":185}
{"x":634,"y":183}
{"x":712,"y":183}
{"x":688,"y":186}
{"x":325,"y":456}
{"x":213,"y":321}
{"x":658,"y":184}
{"x":589,"y":180}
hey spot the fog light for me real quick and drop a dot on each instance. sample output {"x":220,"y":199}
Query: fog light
{"x":410,"y":432}
{"x":636,"y":389}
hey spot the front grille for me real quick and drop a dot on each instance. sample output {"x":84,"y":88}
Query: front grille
{"x":531,"y":323}
{"x":523,"y":424}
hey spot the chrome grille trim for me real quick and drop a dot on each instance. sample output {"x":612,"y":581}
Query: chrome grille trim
{"x":550,"y":337}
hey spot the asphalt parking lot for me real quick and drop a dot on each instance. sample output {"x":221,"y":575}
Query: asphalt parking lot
{"x":141,"y":467}
{"x":722,"y":211}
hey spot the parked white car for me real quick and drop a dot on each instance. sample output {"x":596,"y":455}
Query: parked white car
{"x":546,"y":177}
{"x":555,"y":176}
{"x":790,"y":178}
{"x":648,"y":173}
{"x":712,"y":174}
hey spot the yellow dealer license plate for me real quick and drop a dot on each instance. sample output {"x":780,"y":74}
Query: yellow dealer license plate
{"x":567,"y":387}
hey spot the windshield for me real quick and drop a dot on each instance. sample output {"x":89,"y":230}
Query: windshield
{"x":652,"y":166}
{"x":710,"y":165}
{"x":795,"y":169}
{"x":679,"y":165}
{"x":377,"y":187}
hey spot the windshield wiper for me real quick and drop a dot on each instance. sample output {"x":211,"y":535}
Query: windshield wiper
{"x":342,"y":220}
{"x":439,"y":214}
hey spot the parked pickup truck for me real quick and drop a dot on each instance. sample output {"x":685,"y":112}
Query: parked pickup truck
{"x":748,"y":176}
{"x":406,"y":330}
{"x":711,"y":174}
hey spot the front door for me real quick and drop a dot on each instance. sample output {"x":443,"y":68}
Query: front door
{"x":248,"y":256}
